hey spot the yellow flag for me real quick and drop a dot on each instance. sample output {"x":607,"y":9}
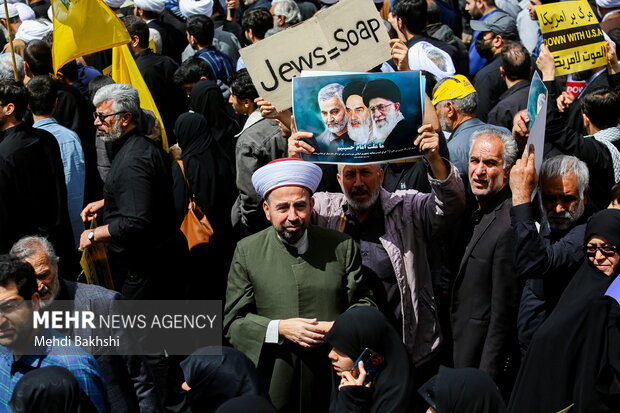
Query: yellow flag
{"x":82,"y":27}
{"x":125,"y":70}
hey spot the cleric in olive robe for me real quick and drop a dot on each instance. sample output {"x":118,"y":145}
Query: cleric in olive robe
{"x":289,"y":271}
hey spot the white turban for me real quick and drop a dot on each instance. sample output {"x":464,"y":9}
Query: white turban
{"x":608,"y":4}
{"x":12,"y":11}
{"x":25,"y":12}
{"x":33,"y":30}
{"x":156,"y":6}
{"x":425,"y":56}
{"x":192,"y":7}
{"x":286,"y":172}
{"x":114,"y":4}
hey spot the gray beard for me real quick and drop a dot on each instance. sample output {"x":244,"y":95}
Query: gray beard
{"x":572,"y":217}
{"x":115,"y":134}
{"x":444,"y":123}
{"x":360,"y":134}
{"x":383,"y":130}
{"x":339,"y":126}
{"x":366,"y":205}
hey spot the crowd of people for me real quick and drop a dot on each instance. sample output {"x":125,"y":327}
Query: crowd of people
{"x":469,"y":280}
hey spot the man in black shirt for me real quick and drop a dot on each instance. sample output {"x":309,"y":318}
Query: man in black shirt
{"x":145,"y":247}
{"x":32,"y":179}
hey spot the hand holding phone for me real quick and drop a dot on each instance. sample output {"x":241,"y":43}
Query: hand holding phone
{"x":372,"y":362}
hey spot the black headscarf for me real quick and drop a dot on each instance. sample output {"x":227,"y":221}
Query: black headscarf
{"x":214,"y":379}
{"x":50,"y":389}
{"x":247,"y":404}
{"x":570,"y":349}
{"x":466,"y":390}
{"x":206,"y":99}
{"x":208,"y":169}
{"x":361,"y":327}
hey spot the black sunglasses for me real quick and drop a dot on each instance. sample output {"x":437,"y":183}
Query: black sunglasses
{"x":606,"y":250}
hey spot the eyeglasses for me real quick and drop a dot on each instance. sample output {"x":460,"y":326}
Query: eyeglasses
{"x":606,"y":250}
{"x":9,"y":307}
{"x":381,"y":108}
{"x":103,"y":117}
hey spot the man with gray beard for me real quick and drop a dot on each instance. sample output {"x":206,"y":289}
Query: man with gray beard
{"x":335,"y":118}
{"x":142,"y":237}
{"x":382,"y":97}
{"x":393,"y":230}
{"x":547,"y":242}
{"x":360,"y":122}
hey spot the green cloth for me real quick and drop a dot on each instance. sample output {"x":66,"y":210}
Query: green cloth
{"x":267,"y":281}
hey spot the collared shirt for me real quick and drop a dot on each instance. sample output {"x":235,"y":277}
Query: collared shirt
{"x":376,"y":262}
{"x":75,"y":171}
{"x":221,"y":65}
{"x":254,"y":118}
{"x":82,"y":366}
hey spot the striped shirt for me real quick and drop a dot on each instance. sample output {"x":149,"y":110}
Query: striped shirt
{"x":221,"y":65}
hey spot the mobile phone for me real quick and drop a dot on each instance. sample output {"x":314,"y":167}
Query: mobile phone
{"x":373,"y":364}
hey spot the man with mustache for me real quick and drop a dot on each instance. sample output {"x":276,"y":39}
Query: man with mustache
{"x":393,"y":230}
{"x":382,"y":97}
{"x":360,"y":122}
{"x":486,"y":289}
{"x":548,"y":257}
{"x":286,"y":286}
{"x":335,"y":118}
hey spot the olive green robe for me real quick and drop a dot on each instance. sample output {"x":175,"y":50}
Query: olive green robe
{"x":267,"y":281}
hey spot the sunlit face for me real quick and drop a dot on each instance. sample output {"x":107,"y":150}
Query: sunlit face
{"x":561,"y":200}
{"x":15,"y":317}
{"x":531,"y":8}
{"x":472,"y":8}
{"x":47,"y":276}
{"x":486,"y":167}
{"x":289,"y":209}
{"x":604,"y":259}
{"x":236,"y":103}
{"x":340,"y":361}
{"x":334,"y":114}
{"x":361,"y":185}
{"x":109,"y":126}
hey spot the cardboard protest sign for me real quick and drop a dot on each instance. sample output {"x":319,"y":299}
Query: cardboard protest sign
{"x":574,"y":37}
{"x":537,"y":112}
{"x":349,"y":36}
{"x":360,"y":118}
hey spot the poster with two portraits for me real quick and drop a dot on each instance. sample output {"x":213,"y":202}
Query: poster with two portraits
{"x":359,"y":118}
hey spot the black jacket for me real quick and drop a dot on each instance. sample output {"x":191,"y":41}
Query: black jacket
{"x":486,"y":296}
{"x":490,"y":86}
{"x":510,"y":102}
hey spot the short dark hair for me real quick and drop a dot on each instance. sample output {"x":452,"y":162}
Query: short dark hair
{"x":602,"y":106}
{"x":150,"y":15}
{"x":202,"y":28}
{"x":191,"y":71}
{"x":241,"y":85}
{"x":38,"y":55}
{"x":137,"y":27}
{"x":97,"y":83}
{"x":14,"y":92}
{"x":42,"y":92}
{"x":259,"y":20}
{"x":12,"y":269}
{"x":516,"y":61}
{"x":70,"y":70}
{"x":413,"y":13}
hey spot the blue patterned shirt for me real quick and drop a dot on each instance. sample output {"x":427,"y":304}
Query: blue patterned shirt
{"x":221,"y":65}
{"x":82,"y":365}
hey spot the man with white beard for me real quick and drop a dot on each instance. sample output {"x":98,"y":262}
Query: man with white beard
{"x":360,"y":122}
{"x":547,"y":253}
{"x":382,"y":97}
{"x":335,"y":118}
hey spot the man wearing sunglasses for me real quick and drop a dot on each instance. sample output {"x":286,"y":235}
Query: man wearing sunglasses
{"x":547,"y":243}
